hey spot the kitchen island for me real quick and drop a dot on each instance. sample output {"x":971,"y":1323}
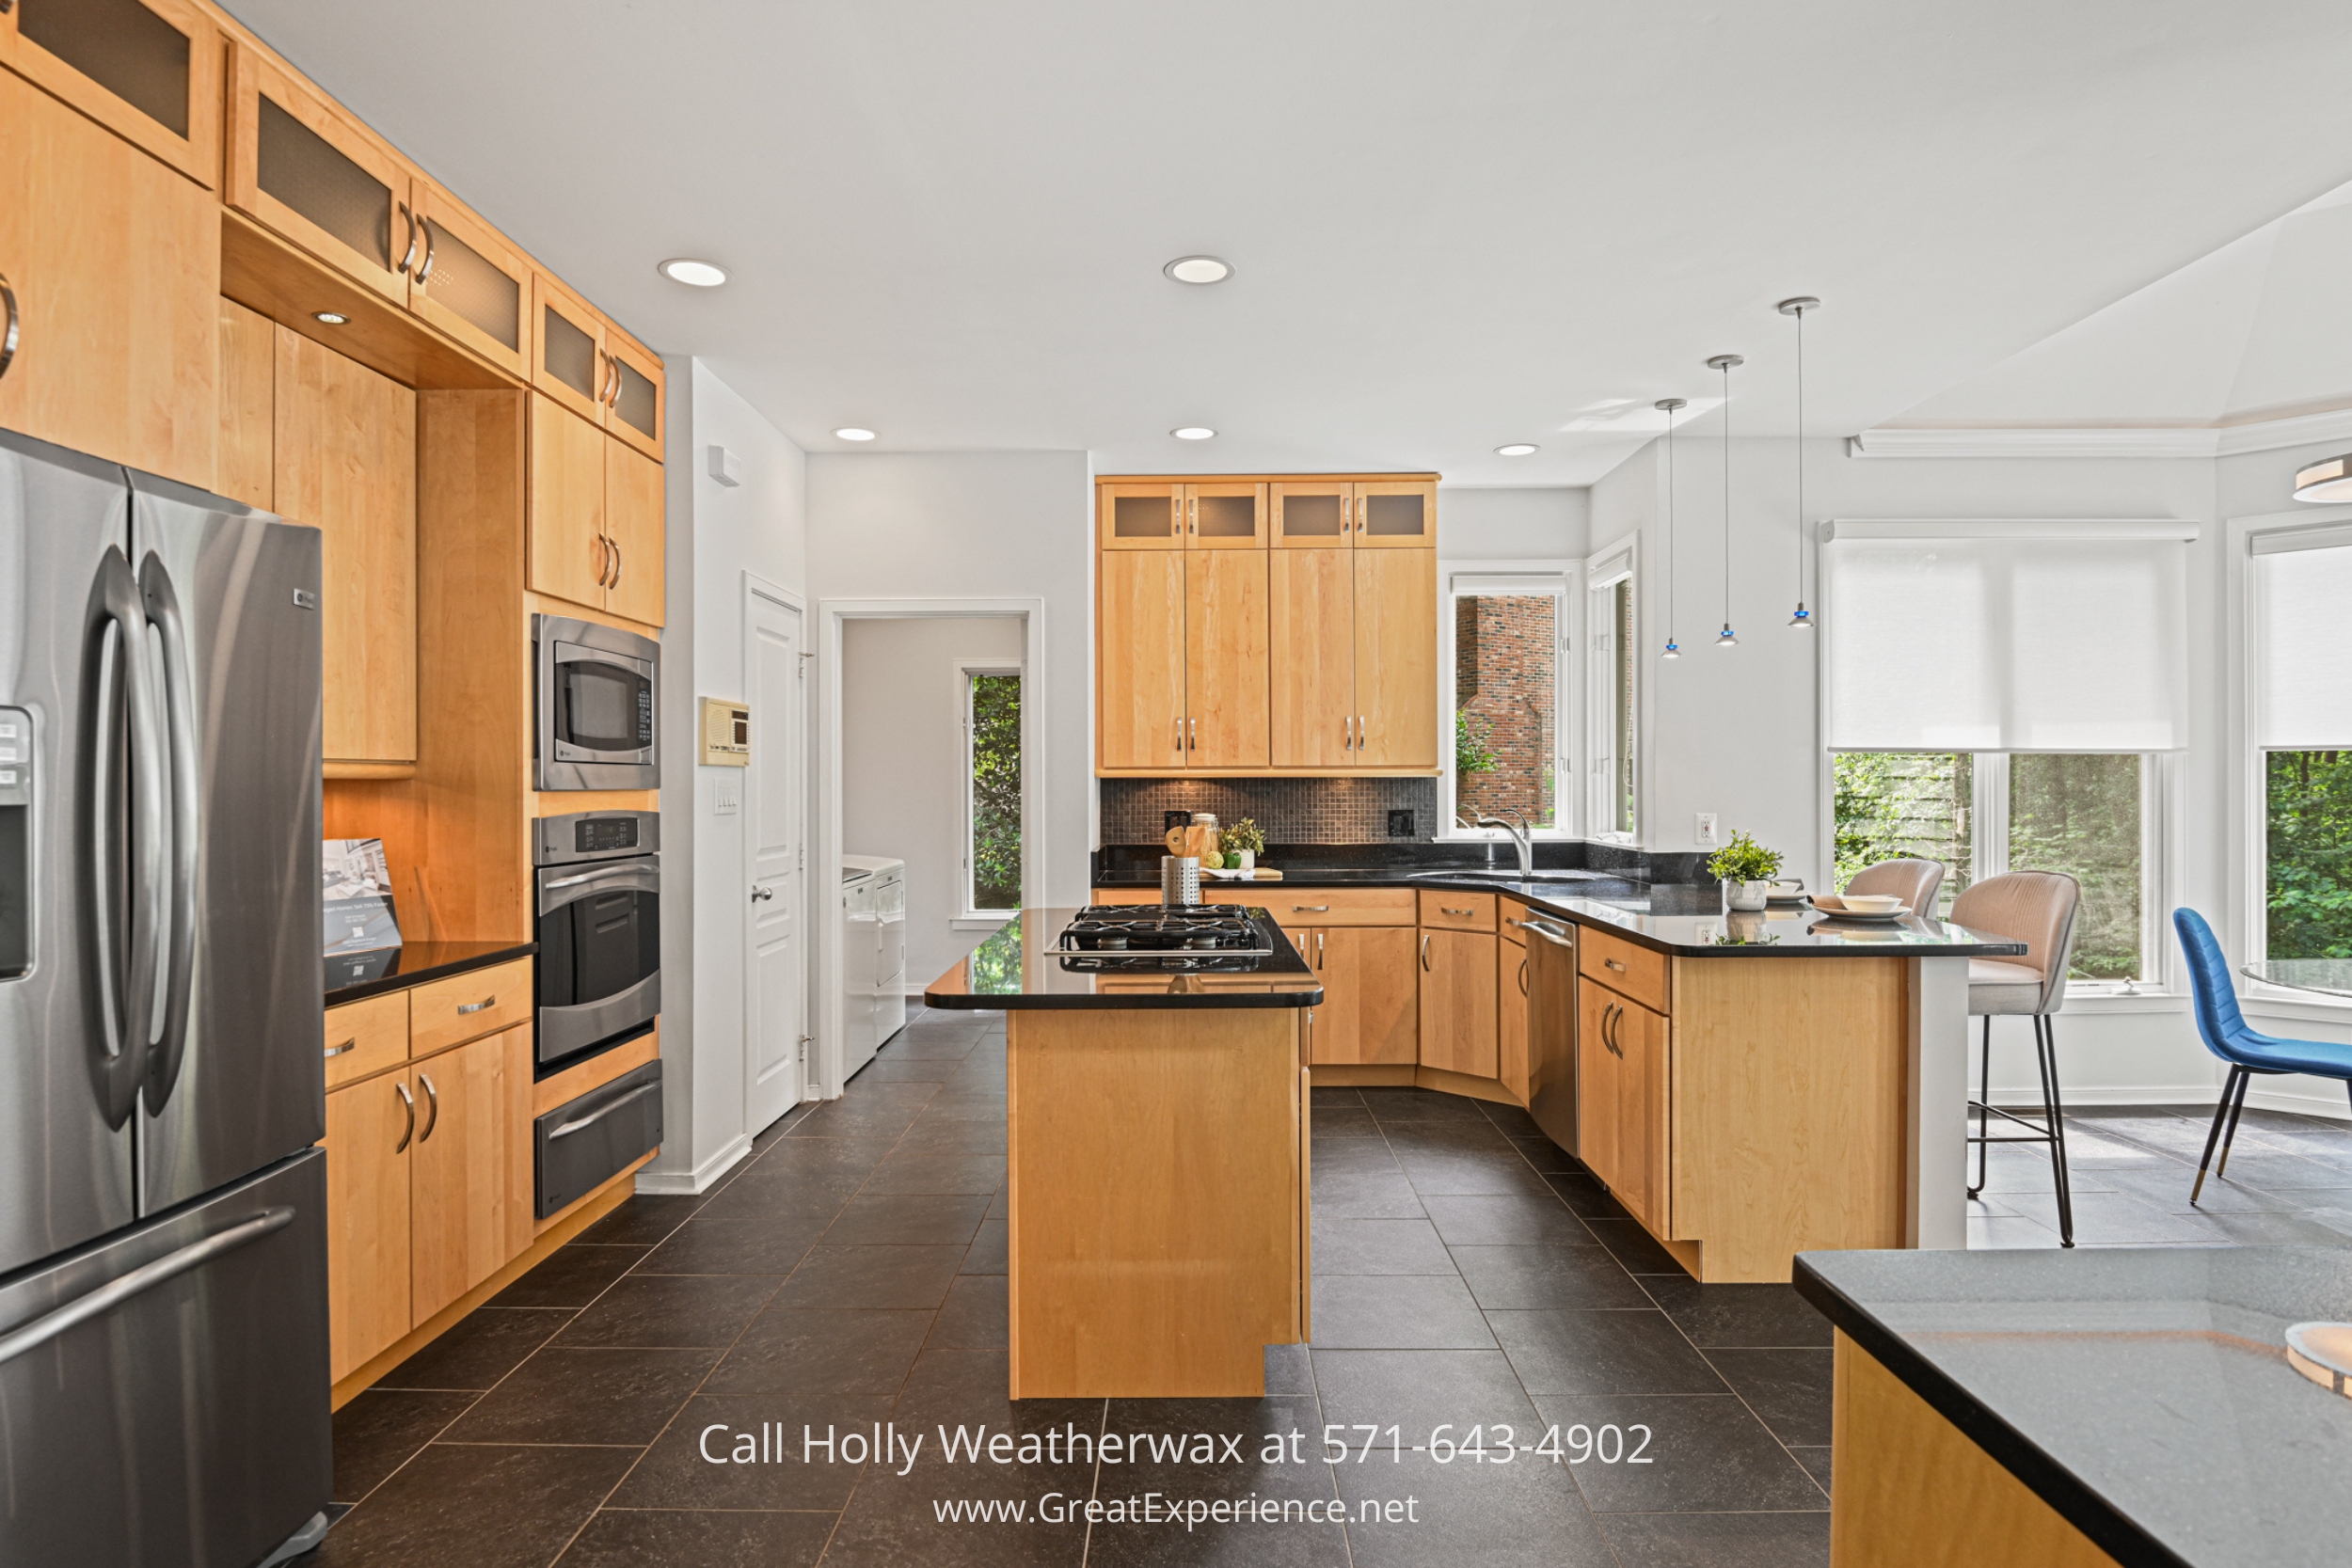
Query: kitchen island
{"x":1157,"y":1156}
{"x":2108,"y":1405}
{"x":1748,"y":1085}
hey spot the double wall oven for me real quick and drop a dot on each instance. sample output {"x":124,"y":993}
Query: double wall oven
{"x":596,"y":720}
{"x":600,"y":927}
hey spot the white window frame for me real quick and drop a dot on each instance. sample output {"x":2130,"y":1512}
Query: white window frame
{"x":971,"y":918}
{"x":1557,"y":579}
{"x":1594,"y":647}
{"x":2249,"y":784}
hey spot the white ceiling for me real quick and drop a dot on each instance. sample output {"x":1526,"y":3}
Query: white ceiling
{"x":1454,"y":225}
{"x":2260,"y":328}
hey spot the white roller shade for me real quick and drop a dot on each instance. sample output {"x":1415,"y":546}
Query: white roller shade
{"x":2006,"y":637}
{"x":2302,"y":660}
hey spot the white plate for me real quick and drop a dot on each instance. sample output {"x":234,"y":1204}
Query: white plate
{"x":1894,"y":914}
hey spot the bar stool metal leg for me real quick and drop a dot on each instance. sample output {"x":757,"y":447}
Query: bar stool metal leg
{"x":2054,"y":1109}
{"x":1983,"y":1108}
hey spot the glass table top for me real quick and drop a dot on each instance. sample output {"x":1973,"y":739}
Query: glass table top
{"x":2331,"y":975}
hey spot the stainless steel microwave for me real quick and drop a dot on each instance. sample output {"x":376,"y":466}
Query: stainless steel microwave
{"x":598,"y":707}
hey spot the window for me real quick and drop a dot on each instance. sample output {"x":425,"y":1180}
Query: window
{"x":1506,"y":636}
{"x":992,"y":797}
{"x":2303,"y":739}
{"x":1614,"y":757}
{"x":2307,"y":854}
{"x":2089,"y":815}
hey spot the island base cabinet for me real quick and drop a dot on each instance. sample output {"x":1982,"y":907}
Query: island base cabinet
{"x":1156,"y":1200}
{"x":1371,"y":1013}
{"x":1622,"y":1102}
{"x":1457,"y":1003}
{"x":1913,"y":1490}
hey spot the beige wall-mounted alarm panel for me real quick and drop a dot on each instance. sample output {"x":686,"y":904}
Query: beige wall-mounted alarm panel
{"x":726,"y":734}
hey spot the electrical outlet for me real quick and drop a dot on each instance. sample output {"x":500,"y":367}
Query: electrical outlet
{"x":1400,"y":823}
{"x":1171,"y":820}
{"x":1706,"y":830}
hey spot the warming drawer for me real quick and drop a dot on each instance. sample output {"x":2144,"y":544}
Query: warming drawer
{"x":583,"y":1143}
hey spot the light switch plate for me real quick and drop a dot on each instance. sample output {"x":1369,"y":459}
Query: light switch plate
{"x":725,"y":798}
{"x":1705,"y":829}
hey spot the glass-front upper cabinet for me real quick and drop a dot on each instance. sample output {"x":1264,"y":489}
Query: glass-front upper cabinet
{"x":568,"y":363}
{"x":633,"y":405}
{"x":147,"y":69}
{"x":469,"y":282}
{"x":1313,"y":514}
{"x":1225,"y":516}
{"x":1140,"y":516}
{"x":300,"y":166}
{"x":1396,"y":514}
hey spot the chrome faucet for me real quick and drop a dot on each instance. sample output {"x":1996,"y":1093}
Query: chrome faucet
{"x":1523,"y":835}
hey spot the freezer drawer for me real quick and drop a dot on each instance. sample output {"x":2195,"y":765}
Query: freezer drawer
{"x":164,"y":1393}
{"x":586,"y":1141}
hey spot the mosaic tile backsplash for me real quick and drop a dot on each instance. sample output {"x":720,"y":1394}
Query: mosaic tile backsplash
{"x":1288,"y":811}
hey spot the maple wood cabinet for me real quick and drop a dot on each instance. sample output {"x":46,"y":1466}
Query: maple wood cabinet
{"x":595,"y":516}
{"x":1371,"y":1011}
{"x":111,"y":266}
{"x":147,"y":69}
{"x":1457,"y":1002}
{"x":1622,"y":1105}
{"x":593,"y":369}
{"x":1263,"y":625}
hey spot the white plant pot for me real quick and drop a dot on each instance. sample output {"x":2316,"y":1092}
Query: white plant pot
{"x":1746,"y":895}
{"x":1248,"y":858}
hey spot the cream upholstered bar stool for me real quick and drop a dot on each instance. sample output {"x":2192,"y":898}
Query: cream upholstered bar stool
{"x":1915,"y":881}
{"x":2036,"y":908}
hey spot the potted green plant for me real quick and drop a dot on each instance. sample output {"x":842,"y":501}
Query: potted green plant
{"x":1243,"y":843}
{"x":1746,"y":869}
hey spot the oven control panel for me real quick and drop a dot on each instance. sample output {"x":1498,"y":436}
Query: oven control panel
{"x":594,"y":835}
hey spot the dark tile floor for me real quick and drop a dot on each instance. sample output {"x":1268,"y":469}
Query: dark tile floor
{"x":1468,"y":1276}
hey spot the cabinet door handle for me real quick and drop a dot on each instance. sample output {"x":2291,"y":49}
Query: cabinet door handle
{"x":8,"y":338}
{"x":1612,"y":963}
{"x":1522,"y":976}
{"x":1351,"y":732}
{"x":1424,"y":952}
{"x":618,"y":560}
{"x":1192,"y":733}
{"x":614,"y":397}
{"x":1318,"y":955}
{"x":425,"y":269}
{"x":466,"y":1007}
{"x":410,"y":1100}
{"x":409,"y":254}
{"x":335,"y":1050}
{"x":1180,"y":735}
{"x":433,"y":1103}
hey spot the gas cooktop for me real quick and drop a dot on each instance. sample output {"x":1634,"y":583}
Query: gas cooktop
{"x":1191,"y":936}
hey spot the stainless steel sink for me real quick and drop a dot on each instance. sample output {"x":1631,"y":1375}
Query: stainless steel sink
{"x":1482,"y":874}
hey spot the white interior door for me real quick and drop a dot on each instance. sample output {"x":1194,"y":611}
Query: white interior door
{"x":776,"y":1007}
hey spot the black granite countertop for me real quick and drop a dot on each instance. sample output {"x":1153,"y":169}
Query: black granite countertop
{"x":355,"y":976}
{"x":1010,"y":970}
{"x":2143,"y":1393}
{"x":1682,"y":918}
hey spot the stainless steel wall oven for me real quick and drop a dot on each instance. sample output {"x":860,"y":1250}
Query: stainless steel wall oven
{"x":597,"y":693}
{"x":600,"y":927}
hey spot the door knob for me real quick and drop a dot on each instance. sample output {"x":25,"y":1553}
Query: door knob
{"x":761,"y":895}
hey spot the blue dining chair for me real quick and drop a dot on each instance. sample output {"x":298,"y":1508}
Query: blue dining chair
{"x":2227,"y":1037}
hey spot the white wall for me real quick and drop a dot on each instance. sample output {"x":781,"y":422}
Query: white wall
{"x":1534,"y":524}
{"x":715,"y":535}
{"x":902,"y":765}
{"x":947,"y":525}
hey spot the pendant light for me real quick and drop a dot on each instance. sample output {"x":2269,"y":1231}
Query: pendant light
{"x":1726,"y":363}
{"x":1802,"y":618}
{"x":1670,"y":406}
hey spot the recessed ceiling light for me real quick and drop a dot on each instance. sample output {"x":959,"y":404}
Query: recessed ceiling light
{"x":1197,"y":269}
{"x":1192,"y":432}
{"x":330,"y":318}
{"x":1517,"y":449}
{"x":2330,"y":481}
{"x":701,"y":275}
{"x":853,"y":432}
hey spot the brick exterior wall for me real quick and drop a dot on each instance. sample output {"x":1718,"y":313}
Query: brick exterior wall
{"x":1505,"y":665}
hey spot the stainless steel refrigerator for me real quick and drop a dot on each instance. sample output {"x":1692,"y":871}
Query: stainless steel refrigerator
{"x":164,"y":1373}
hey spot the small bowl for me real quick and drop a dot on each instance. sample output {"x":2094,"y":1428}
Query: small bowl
{"x":1872,"y":903}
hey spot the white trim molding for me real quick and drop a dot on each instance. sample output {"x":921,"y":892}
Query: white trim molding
{"x":2108,"y":530}
{"x":2195,"y":442}
{"x":691,"y":1182}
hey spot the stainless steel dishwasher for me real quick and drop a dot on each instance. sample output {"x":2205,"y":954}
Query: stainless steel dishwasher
{"x":1552,"y":1028}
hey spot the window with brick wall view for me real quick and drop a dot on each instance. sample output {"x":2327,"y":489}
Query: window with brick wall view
{"x":1506,"y":701}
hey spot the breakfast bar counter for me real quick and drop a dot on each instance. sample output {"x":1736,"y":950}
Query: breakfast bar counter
{"x":1156,"y":1109}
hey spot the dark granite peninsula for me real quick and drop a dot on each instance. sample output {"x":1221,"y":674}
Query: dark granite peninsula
{"x":2105,"y":1405}
{"x":354,"y":976}
{"x":1156,"y":1109}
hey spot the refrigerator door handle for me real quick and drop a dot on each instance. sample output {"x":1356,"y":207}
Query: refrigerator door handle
{"x":176,"y":942}
{"x":116,"y":1292}
{"x":126,"y":978}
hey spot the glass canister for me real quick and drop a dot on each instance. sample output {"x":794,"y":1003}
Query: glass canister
{"x":1202,"y":837}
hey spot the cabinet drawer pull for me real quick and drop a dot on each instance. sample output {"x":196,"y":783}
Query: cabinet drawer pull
{"x":465,"y":1008}
{"x":1614,"y":964}
{"x":351,"y":1044}
{"x":1466,"y":914}
{"x":1508,"y":921}
{"x":432,"y":1102}
{"x":1425,"y":952}
{"x":1310,"y":909}
{"x":410,"y":1100}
